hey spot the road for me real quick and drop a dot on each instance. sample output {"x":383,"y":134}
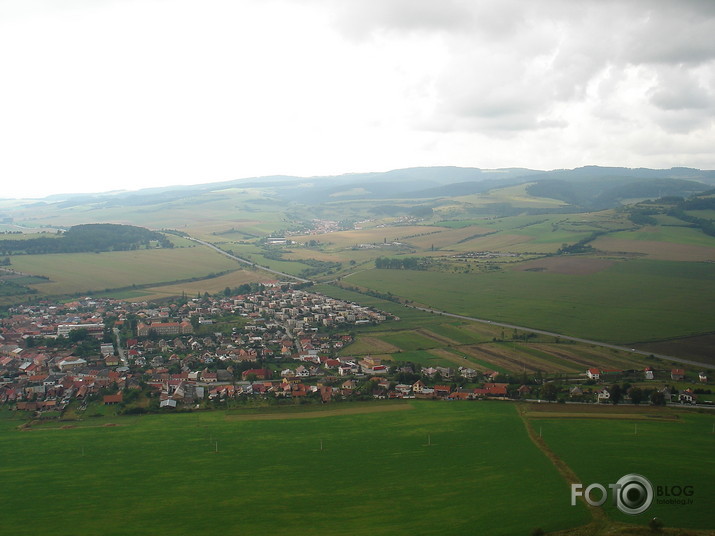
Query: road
{"x":483,"y":321}
{"x":244,"y":261}
{"x":565,"y":337}
{"x":120,"y":350}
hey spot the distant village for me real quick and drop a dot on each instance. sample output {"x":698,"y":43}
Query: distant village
{"x":278,"y":343}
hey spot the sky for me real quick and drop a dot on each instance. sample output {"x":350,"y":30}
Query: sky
{"x":101,"y":95}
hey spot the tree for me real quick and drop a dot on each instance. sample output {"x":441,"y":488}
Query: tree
{"x":549,"y":391}
{"x":77,"y":335}
{"x":657,"y":399}
{"x":636,"y":395}
{"x":616,"y":393}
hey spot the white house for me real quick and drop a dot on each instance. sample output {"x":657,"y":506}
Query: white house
{"x":593,"y":374}
{"x":687,"y":397}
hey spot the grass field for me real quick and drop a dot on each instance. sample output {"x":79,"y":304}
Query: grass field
{"x":604,"y":445}
{"x":622,"y":303}
{"x":432,"y":340}
{"x":80,"y":272}
{"x":436,"y":468}
{"x":213,"y":285}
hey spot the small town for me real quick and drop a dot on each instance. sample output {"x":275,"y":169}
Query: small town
{"x":275,"y":343}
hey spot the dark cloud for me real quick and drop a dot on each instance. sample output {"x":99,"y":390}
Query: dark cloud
{"x":512,"y":63}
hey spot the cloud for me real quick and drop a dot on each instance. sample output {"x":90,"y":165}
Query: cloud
{"x":187,"y":90}
{"x":515,"y":67}
{"x":362,"y":20}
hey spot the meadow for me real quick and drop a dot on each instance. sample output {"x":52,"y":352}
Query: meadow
{"x":623,"y":303}
{"x":417,"y":468}
{"x":213,"y":285}
{"x":81,"y":272}
{"x":670,"y":448}
{"x":431,"y":339}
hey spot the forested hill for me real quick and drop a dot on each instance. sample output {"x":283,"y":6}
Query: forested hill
{"x":90,"y":237}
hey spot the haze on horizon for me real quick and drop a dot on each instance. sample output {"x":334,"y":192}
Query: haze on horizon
{"x":124,"y":94}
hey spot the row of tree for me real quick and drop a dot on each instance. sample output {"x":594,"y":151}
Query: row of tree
{"x":408,"y":263}
{"x":85,"y":238}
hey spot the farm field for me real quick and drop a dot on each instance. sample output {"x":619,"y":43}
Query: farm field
{"x":434,"y":468}
{"x":213,"y":285}
{"x":80,"y":272}
{"x":603,"y":444}
{"x":433,"y":340}
{"x":622,"y":303}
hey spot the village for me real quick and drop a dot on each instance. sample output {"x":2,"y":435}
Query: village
{"x":277,"y":343}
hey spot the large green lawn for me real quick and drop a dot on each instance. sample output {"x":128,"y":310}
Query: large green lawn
{"x":631,"y":301}
{"x":677,"y":453}
{"x":435,"y":468}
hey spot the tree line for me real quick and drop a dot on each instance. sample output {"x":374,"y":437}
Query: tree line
{"x":408,"y":263}
{"x":96,"y":237}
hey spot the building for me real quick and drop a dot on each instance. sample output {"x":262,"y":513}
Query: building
{"x":677,"y":374}
{"x":96,"y":330}
{"x":165,"y":328}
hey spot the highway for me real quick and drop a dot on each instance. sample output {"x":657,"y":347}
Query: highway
{"x":244,"y":261}
{"x":565,"y":337}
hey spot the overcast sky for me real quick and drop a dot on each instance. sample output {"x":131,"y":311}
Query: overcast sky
{"x":97,"y":95}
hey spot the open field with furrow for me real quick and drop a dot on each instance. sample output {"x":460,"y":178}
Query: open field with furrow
{"x":214,"y":285}
{"x":453,"y":358}
{"x":697,"y":348}
{"x":566,"y":265}
{"x":466,"y":333}
{"x":586,"y":356}
{"x":81,"y":272}
{"x":438,"y":338}
{"x":666,"y":251}
{"x":369,"y":345}
{"x":503,"y":242}
{"x":563,"y":365}
{"x":512,"y":361}
{"x":445,"y":238}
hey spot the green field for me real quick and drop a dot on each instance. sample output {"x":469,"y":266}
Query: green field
{"x":676,"y":234}
{"x":432,"y":468}
{"x":80,"y":272}
{"x":603,"y":450}
{"x":477,"y":345}
{"x":623,"y":303}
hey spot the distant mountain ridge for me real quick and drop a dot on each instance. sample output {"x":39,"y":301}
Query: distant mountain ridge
{"x":588,"y":187}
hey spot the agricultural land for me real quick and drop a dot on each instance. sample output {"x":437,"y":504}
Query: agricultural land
{"x":421,"y":351}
